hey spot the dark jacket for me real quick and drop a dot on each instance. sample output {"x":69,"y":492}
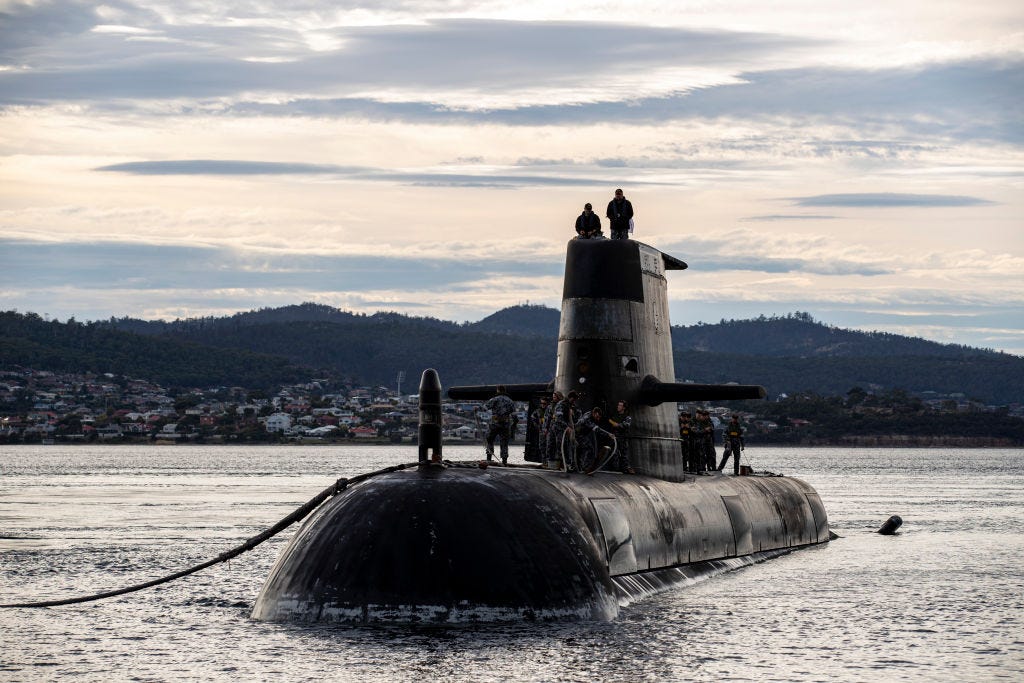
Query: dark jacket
{"x":588,"y":224}
{"x":619,"y":214}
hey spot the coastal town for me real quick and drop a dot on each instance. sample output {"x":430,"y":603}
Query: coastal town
{"x":38,"y":406}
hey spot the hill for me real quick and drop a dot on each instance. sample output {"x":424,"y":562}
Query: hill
{"x":786,"y":354}
{"x":798,"y":335}
{"x":521,"y":321}
{"x":30,"y":341}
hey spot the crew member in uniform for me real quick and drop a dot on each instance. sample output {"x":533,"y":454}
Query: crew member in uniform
{"x":733,"y":438}
{"x":535,"y":430}
{"x":550,"y":453}
{"x":501,"y":407}
{"x":588,"y":433}
{"x":690,"y":461}
{"x":560,"y":435}
{"x":620,"y":423}
{"x":706,"y":436}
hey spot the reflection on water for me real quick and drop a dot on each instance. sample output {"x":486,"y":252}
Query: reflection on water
{"x":941,"y":599}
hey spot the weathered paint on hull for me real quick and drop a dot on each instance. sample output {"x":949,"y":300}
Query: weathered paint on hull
{"x":458,"y":544}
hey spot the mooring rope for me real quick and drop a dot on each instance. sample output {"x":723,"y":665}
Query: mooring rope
{"x":313,"y":503}
{"x":611,"y":455}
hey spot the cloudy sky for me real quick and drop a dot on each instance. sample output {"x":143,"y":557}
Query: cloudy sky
{"x":859,"y":161}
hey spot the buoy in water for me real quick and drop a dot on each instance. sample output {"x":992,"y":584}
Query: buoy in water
{"x":891,"y":525}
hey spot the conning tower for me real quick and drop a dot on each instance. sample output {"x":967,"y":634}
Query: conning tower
{"x":615,"y":343}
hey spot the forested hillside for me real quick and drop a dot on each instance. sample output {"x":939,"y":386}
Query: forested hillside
{"x":523,"y":321}
{"x":518,"y":344}
{"x":30,"y":341}
{"x":799,"y":335}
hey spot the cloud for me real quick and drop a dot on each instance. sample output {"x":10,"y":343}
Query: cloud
{"x":790,"y":217}
{"x":515,"y":61}
{"x":889,"y":200}
{"x":792,"y":265}
{"x":520,"y":73}
{"x":140,"y":266}
{"x":428,"y":178}
{"x":829,"y":255}
{"x":29,"y":24}
{"x":970,"y":100}
{"x":228,"y":167}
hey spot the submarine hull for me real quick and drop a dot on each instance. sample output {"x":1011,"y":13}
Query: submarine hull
{"x":449,"y":545}
{"x":460,"y":543}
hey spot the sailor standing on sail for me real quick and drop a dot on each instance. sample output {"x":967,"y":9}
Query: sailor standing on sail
{"x":588,"y":224}
{"x":501,"y":407}
{"x":620,"y":214}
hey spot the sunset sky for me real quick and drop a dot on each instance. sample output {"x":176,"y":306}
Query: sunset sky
{"x":863,"y":162}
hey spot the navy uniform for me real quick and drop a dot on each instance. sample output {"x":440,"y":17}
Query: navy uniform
{"x":502,"y":407}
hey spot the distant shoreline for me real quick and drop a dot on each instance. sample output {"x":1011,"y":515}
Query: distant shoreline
{"x":889,"y":441}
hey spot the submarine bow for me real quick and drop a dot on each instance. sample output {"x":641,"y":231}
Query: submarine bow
{"x":437,"y":544}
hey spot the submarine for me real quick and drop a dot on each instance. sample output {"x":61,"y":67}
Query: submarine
{"x":443,"y":542}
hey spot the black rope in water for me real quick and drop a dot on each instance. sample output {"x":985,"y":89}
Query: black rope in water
{"x":300,"y":513}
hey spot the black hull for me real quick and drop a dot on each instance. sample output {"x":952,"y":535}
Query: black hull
{"x":448,"y":545}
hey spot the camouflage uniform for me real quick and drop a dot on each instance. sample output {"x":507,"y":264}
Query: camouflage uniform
{"x":501,"y":407}
{"x":587,"y":444}
{"x":546,"y":444}
{"x":535,"y":432}
{"x":620,"y":424}
{"x":562,"y":417}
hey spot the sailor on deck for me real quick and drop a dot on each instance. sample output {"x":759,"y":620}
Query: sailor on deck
{"x":691,"y":463}
{"x":620,"y":423}
{"x":733,"y":444}
{"x":589,"y":438}
{"x":501,"y":407}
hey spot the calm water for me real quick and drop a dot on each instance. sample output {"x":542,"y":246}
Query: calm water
{"x":943,"y":600}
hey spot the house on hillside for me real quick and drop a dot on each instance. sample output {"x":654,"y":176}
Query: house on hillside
{"x":279,"y":422}
{"x":170,"y":432}
{"x":110,"y":431}
{"x":464,"y":432}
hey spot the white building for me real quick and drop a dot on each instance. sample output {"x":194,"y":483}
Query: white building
{"x":279,"y":422}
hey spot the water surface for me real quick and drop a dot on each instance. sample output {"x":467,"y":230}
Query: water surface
{"x":942,"y":600}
